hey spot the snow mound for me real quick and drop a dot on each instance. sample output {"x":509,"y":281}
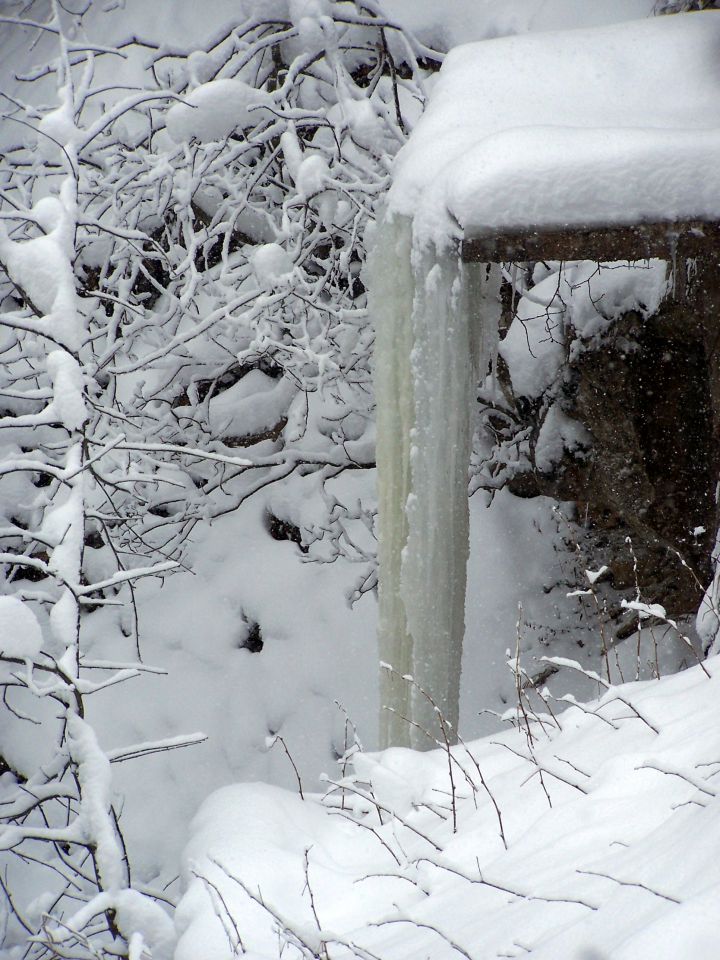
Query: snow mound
{"x":214,"y":110}
{"x":590,"y":835}
{"x":584,"y":126}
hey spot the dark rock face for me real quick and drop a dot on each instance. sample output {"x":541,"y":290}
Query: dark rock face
{"x":649,"y":395}
{"x":649,"y":411}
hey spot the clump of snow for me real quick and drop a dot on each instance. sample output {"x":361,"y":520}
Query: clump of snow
{"x":583,"y":126}
{"x":534,"y":346}
{"x":367,"y":130}
{"x":308,"y":9}
{"x":140,"y":917}
{"x":270,"y":263}
{"x":20,"y":633}
{"x":216,"y":109}
{"x":201,"y":66}
{"x":48,"y":213}
{"x":57,"y":128}
{"x":307,"y":16}
{"x":602,"y":292}
{"x":558,"y":434}
{"x":292,"y":152}
{"x":255,"y":404}
{"x":312,"y":175}
{"x":590,"y":834}
{"x":583,"y":297}
{"x":93,"y":772}
{"x":39,"y":267}
{"x":67,"y":381}
{"x":141,"y":920}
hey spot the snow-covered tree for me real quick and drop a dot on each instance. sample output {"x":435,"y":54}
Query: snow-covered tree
{"x":183,"y":324}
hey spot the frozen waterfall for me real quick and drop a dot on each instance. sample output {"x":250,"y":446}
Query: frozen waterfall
{"x":436,"y":321}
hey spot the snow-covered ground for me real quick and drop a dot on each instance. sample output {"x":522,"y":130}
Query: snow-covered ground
{"x":316,"y":650}
{"x":377,"y":868}
{"x":318,"y":662}
{"x":588,"y":836}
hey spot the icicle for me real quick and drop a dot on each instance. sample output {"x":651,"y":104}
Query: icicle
{"x":436,"y":327}
{"x":482,"y":282}
{"x":674,"y":265}
{"x":391,"y":293}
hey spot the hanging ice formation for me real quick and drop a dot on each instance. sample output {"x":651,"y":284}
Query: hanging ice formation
{"x":436,"y":329}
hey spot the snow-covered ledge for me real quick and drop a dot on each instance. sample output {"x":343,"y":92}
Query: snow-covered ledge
{"x":636,"y":144}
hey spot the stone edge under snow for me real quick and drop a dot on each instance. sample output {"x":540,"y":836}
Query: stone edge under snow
{"x":588,"y":126}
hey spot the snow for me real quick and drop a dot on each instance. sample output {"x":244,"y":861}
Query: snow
{"x":462,"y":21}
{"x":605,"y":125}
{"x":558,"y":434}
{"x":367,"y":129}
{"x":534,"y":346}
{"x":67,"y":381}
{"x":39,"y":266}
{"x":252,"y":408}
{"x":56,"y":129}
{"x":215,"y":110}
{"x":602,"y":292}
{"x":254,"y":405}
{"x":312,"y":175}
{"x":608,"y":851}
{"x":271,"y":262}
{"x":316,"y":649}
{"x":142,"y":921}
{"x":585,"y":296}
{"x":93,"y":771}
{"x":20,"y":633}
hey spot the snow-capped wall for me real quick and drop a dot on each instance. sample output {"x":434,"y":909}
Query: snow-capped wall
{"x":602,"y":125}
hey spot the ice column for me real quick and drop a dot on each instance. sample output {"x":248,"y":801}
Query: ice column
{"x":391,"y":296}
{"x":436,"y":328}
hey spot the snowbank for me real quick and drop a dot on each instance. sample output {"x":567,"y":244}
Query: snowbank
{"x":583,"y":126}
{"x":590,"y":836}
